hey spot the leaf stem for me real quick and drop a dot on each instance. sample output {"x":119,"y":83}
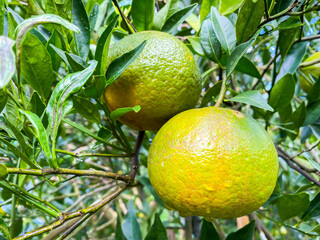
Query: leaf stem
{"x":222,"y":93}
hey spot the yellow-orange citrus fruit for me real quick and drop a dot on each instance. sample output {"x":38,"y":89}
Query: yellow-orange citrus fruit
{"x":307,"y":73}
{"x":213,"y":162}
{"x":164,"y":80}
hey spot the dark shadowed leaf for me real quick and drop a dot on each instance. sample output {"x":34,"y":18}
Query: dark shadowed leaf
{"x":286,"y":39}
{"x":246,"y":66}
{"x":86,"y":109}
{"x":80,"y":19}
{"x":291,"y":205}
{"x":162,"y":15}
{"x":7,"y":61}
{"x":248,"y":19}
{"x":224,"y":31}
{"x":314,"y":93}
{"x":142,"y":12}
{"x":253,"y":98}
{"x":212,"y":92}
{"x":208,"y":231}
{"x":3,"y":99}
{"x":157,"y":230}
{"x":55,"y":59}
{"x":76,"y":63}
{"x":245,"y":233}
{"x":130,"y":227}
{"x":281,"y":5}
{"x":118,"y":233}
{"x":282,"y":92}
{"x":102,"y":50}
{"x":209,"y":42}
{"x":313,"y":113}
{"x":313,"y":212}
{"x":120,"y":64}
{"x":59,"y":104}
{"x":146,"y":182}
{"x":177,"y":18}
{"x":121,"y":111}
{"x":36,"y":66}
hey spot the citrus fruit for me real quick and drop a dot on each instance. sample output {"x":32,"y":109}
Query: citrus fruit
{"x":307,"y":73}
{"x":164,"y":80}
{"x":213,"y":162}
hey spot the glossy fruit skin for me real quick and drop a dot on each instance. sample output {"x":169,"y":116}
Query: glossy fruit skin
{"x":164,"y":80}
{"x":213,"y":162}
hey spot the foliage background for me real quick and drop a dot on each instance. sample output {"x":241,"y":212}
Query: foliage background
{"x":255,"y":50}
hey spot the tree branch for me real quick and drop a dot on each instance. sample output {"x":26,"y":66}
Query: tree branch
{"x":135,"y":159}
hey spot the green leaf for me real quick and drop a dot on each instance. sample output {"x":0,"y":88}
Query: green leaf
{"x":157,"y":230}
{"x":120,"y":64}
{"x":253,"y":98}
{"x":245,"y":233}
{"x":286,"y":40}
{"x":208,"y":231}
{"x":102,"y":49}
{"x":146,"y":182}
{"x":142,"y":12}
{"x":121,"y":111}
{"x":313,"y":212}
{"x":93,"y":16}
{"x":248,"y":20}
{"x":291,"y":22}
{"x":209,"y":41}
{"x":130,"y":227}
{"x":162,"y":15}
{"x":59,"y":105}
{"x":3,"y":99}
{"x":86,"y":109}
{"x":224,"y":31}
{"x":229,"y":6}
{"x":43,"y":19}
{"x":36,"y":66}
{"x":281,"y":5}
{"x":75,"y":62}
{"x":196,"y":45}
{"x":313,"y":113}
{"x":96,"y":90}
{"x":212,"y":92}
{"x":177,"y":18}
{"x":40,"y":134}
{"x":291,"y":205}
{"x":80,"y":19}
{"x":118,"y":233}
{"x":282,"y":92}
{"x":246,"y":66}
{"x":36,"y":105}
{"x":237,"y":54}
{"x":7,"y":61}
{"x":314,"y":93}
{"x":292,"y":59}
{"x":4,"y":229}
{"x":206,"y":6}
{"x":55,"y":58}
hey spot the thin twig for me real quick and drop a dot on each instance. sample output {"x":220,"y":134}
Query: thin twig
{"x":307,"y":38}
{"x":222,"y":93}
{"x":307,"y":150}
{"x":67,"y":171}
{"x":79,"y":155}
{"x":262,"y":227}
{"x":135,"y":159}
{"x":310,"y":63}
{"x":127,"y":22}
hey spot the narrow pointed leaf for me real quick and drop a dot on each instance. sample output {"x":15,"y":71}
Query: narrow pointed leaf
{"x":142,"y":12}
{"x":103,"y":47}
{"x":80,"y":19}
{"x":177,"y":18}
{"x":237,"y":54}
{"x":120,"y":64}
{"x":59,"y":105}
{"x":245,"y":233}
{"x":224,"y":30}
{"x":118,"y":233}
{"x":7,"y":61}
{"x":313,"y":212}
{"x":157,"y":230}
{"x":229,"y":6}
{"x":209,"y":41}
{"x":4,"y":230}
{"x":130,"y":227}
{"x":40,"y":134}
{"x":121,"y":111}
{"x":208,"y":231}
{"x":253,"y":98}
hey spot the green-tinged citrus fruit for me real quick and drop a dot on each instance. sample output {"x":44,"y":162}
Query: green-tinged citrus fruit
{"x":213,"y":162}
{"x":308,"y":73}
{"x":164,"y":80}
{"x":3,"y":172}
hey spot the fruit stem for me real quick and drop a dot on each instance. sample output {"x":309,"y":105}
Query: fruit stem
{"x":222,"y":92}
{"x":135,"y":159}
